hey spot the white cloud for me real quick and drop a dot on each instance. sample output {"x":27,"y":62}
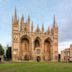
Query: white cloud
{"x":64,"y":45}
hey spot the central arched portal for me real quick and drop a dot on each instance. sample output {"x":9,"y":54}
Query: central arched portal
{"x":25,"y":44}
{"x":47,"y":50}
{"x":25,"y":48}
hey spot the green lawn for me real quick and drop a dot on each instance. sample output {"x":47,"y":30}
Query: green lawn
{"x":36,"y":67}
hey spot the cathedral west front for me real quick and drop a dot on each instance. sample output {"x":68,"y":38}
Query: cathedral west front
{"x":33,"y":44}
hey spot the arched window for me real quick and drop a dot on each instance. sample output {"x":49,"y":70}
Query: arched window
{"x":25,"y":45}
{"x":37,"y":43}
{"x":47,"y":49}
{"x":47,"y":46}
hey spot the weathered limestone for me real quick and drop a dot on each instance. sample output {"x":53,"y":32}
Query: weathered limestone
{"x":28,"y":44}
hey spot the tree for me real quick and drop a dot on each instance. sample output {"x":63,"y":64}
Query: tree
{"x":8,"y":53}
{"x":1,"y":50}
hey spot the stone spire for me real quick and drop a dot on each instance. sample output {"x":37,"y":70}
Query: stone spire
{"x":15,"y":25}
{"x":15,"y":14}
{"x":28,"y":19}
{"x":22,"y":19}
{"x":42,"y":27}
{"x":55,"y":29}
{"x":48,"y":30}
{"x":15,"y":21}
{"x":37,"y":29}
{"x":12,"y":19}
{"x":22,"y":23}
{"x":51,"y":30}
{"x":55,"y":22}
{"x":32,"y":27}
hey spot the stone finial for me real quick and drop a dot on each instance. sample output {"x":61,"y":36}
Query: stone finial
{"x":14,"y":20}
{"x":28,"y":18}
{"x":15,"y":13}
{"x":49,"y":30}
{"x":55,"y":22}
{"x":42,"y":27}
{"x":37,"y":29}
{"x":22,"y":19}
{"x":32,"y":27}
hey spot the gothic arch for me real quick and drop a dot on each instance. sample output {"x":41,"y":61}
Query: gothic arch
{"x":37,"y":42}
{"x":25,"y":36}
{"x":47,"y":49}
{"x":49,"y":39}
{"x":24,"y":46}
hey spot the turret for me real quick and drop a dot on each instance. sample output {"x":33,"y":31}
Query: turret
{"x":22,"y":19}
{"x":15,"y":21}
{"x":28,"y":19}
{"x":55,"y":27}
{"x":55,"y":40}
{"x":15,"y":26}
{"x":42,"y":28}
{"x":55,"y":23}
{"x":32,"y":27}
{"x":49,"y":31}
{"x":28,"y":22}
{"x":37,"y":29}
{"x":22,"y":23}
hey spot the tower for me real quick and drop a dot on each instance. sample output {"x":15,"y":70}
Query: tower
{"x":55,"y":40}
{"x":15,"y":37}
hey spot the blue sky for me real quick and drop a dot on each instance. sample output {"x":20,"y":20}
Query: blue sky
{"x":40,"y":11}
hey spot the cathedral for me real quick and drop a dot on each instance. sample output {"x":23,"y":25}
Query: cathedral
{"x":29,"y":44}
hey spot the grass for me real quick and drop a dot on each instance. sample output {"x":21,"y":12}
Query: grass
{"x":36,"y":67}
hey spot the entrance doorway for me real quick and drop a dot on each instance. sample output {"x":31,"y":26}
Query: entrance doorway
{"x":38,"y":58}
{"x":0,"y":59}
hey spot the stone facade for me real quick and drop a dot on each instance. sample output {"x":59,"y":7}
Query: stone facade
{"x":66,"y":54}
{"x":30,"y":44}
